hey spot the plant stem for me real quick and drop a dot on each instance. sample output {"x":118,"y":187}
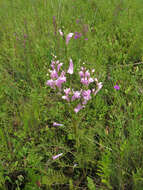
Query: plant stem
{"x":75,"y":128}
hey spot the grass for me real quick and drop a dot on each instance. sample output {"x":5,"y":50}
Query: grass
{"x":109,"y":156}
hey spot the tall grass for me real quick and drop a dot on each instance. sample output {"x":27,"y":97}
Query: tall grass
{"x":110,"y":152}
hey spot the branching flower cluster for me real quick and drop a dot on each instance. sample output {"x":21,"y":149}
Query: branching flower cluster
{"x":58,"y":78}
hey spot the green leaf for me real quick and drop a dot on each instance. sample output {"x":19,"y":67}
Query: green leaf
{"x":45,"y":180}
{"x":71,"y":136}
{"x":90,"y":185}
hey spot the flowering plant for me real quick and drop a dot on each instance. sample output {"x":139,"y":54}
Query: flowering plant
{"x":76,"y":99}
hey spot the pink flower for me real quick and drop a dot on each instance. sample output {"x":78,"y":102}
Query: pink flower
{"x":59,"y":77}
{"x":57,"y":62}
{"x":78,"y":108}
{"x":84,"y":81}
{"x":81,"y":73}
{"x":61,"y":33}
{"x":87,"y":74}
{"x":90,"y":80}
{"x":70,"y":70}
{"x":54,"y":74}
{"x":99,"y":86}
{"x":59,"y":66}
{"x":62,"y":74}
{"x":57,"y":156}
{"x":96,"y":80}
{"x":76,"y":95}
{"x":85,"y":77}
{"x":50,"y":83}
{"x":60,"y":81}
{"x":67,"y":91}
{"x":66,"y":98}
{"x":117,"y":87}
{"x":69,"y":36}
{"x":55,"y":124}
{"x":53,"y":64}
{"x":86,"y":94}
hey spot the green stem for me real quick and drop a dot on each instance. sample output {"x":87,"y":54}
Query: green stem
{"x":75,"y":123}
{"x":75,"y":128}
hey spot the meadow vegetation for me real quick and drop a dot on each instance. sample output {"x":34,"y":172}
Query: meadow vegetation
{"x":44,"y":144}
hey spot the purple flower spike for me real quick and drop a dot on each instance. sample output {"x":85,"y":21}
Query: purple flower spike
{"x":69,"y":36}
{"x":70,"y":70}
{"x":55,"y":124}
{"x":86,"y":39}
{"x":57,"y":156}
{"x":55,"y":24}
{"x":117,"y":87}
